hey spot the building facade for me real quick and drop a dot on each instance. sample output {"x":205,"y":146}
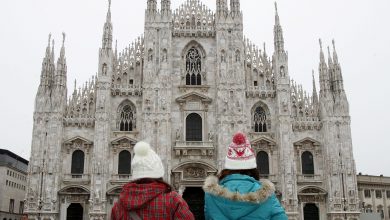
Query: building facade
{"x":374,"y":195}
{"x":185,"y":86}
{"x":13,"y":185}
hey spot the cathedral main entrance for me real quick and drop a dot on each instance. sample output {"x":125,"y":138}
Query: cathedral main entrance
{"x":311,"y":212}
{"x":194,"y":196}
{"x":74,"y":212}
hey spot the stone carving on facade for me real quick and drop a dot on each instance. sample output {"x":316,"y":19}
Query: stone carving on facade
{"x":194,"y":172}
{"x":151,"y":73}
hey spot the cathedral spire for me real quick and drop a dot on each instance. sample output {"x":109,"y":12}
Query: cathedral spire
{"x":152,"y":7}
{"x":165,"y":7}
{"x":222,"y":8}
{"x":47,"y":65}
{"x":315,"y":95}
{"x":338,"y":77}
{"x":60,"y":78}
{"x":323,"y":71}
{"x":335,"y":57}
{"x":278,"y":33}
{"x":235,"y":7}
{"x":107,"y":30}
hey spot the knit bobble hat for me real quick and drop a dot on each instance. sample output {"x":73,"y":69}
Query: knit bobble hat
{"x":146,"y":163}
{"x":240,"y":154}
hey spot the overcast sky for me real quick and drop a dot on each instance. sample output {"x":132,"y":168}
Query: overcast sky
{"x":360,"y":28}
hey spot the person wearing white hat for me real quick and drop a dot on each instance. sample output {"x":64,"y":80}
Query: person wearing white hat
{"x":147,"y":196}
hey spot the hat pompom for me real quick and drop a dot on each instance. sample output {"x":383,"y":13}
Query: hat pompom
{"x":141,"y":149}
{"x":239,"y":138}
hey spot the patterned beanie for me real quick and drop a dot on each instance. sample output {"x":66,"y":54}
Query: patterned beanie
{"x":240,"y":154}
{"x":146,"y":163}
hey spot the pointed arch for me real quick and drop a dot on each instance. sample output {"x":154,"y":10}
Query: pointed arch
{"x":260,"y":118}
{"x":126,"y":116}
{"x":194,"y":44}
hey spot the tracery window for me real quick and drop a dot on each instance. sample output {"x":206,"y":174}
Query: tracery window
{"x":193,"y":67}
{"x":260,"y":120}
{"x":124,"y":162}
{"x":307,"y":163}
{"x":262,"y":161}
{"x":126,"y":120}
{"x":194,"y":127}
{"x":77,"y":162}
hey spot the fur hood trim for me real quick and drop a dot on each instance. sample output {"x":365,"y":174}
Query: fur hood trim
{"x":211,"y":186}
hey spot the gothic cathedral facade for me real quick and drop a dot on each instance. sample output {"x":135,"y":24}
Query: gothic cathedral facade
{"x":186,"y":86}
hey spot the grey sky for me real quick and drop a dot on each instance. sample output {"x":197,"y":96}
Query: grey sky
{"x":360,"y":28}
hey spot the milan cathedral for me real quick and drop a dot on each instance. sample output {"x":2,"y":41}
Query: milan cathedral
{"x":188,"y":83}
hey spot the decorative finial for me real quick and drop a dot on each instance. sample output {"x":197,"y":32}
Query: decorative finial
{"x":276,"y":7}
{"x":63,"y":38}
{"x":109,"y":4}
{"x":320,"y":43}
{"x":75,"y":84}
{"x":49,"y":39}
{"x":334,"y":44}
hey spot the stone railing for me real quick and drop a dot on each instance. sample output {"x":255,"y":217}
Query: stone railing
{"x":260,"y":91}
{"x":126,"y":90}
{"x":194,"y":148}
{"x":270,"y":177}
{"x":82,"y":121}
{"x":120,"y":178}
{"x":77,"y":178}
{"x":306,"y":123}
{"x":309,"y":178}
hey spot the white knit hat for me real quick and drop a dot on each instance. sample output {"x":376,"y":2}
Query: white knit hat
{"x":146,"y":163}
{"x":240,"y":154}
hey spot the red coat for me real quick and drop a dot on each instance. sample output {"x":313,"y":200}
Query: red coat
{"x":151,"y":201}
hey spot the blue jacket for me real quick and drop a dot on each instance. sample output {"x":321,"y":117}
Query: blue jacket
{"x":241,"y":197}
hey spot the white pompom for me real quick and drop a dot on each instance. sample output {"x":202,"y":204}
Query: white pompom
{"x":141,"y":149}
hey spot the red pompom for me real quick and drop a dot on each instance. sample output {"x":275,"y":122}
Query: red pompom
{"x":239,"y":138}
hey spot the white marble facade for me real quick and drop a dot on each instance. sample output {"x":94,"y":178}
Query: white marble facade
{"x":191,"y":65}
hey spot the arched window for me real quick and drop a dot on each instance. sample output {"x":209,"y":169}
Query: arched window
{"x":77,"y":162}
{"x":124,"y":162}
{"x":307,"y":163}
{"x":194,"y":127}
{"x":193,"y":67}
{"x":260,"y":120}
{"x":263,"y":163}
{"x":126,"y":121}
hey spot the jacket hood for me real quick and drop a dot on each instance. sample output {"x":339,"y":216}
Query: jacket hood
{"x":134,"y":195}
{"x":238,"y":195}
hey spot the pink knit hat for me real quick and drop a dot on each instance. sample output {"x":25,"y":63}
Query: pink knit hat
{"x":240,"y":154}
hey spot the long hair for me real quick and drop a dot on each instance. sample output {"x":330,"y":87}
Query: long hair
{"x":152,"y":180}
{"x":251,"y":172}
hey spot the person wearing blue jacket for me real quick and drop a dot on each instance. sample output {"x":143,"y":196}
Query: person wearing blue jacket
{"x":237,"y":193}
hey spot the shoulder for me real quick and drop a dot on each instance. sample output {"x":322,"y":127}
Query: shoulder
{"x":212,"y":187}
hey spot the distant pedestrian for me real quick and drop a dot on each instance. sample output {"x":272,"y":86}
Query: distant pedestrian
{"x":237,"y":192}
{"x":147,"y":196}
